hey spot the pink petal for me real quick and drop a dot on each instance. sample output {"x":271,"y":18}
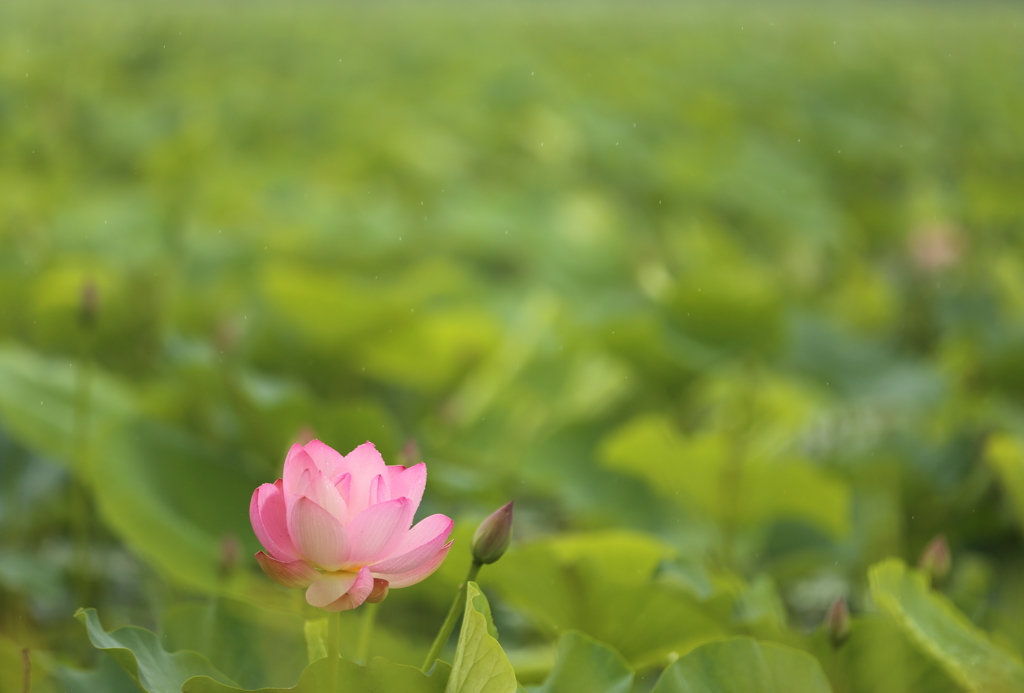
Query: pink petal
{"x":410,"y":484}
{"x":343,"y":482}
{"x":419,"y":545}
{"x":318,"y":535}
{"x":364,"y":463}
{"x":297,"y":462}
{"x":379,"y":592}
{"x":290,"y":573}
{"x":356,"y":594}
{"x":327,"y":459}
{"x":379,"y":529}
{"x":379,"y":490}
{"x":327,"y":496}
{"x":329,"y":588}
{"x":393,"y":470}
{"x":269,"y":521}
{"x":411,"y":577}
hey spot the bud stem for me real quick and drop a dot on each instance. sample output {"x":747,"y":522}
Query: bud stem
{"x":333,"y":648}
{"x":458,"y":606}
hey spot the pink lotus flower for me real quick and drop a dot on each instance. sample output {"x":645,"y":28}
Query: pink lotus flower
{"x":342,"y":526}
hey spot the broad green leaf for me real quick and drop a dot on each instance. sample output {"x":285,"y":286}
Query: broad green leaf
{"x":107,"y":677}
{"x":379,"y":676}
{"x":584,"y":664}
{"x":139,"y":653}
{"x":148,"y":496}
{"x":41,"y":405}
{"x":935,"y":625}
{"x":878,"y":658}
{"x":602,"y":584}
{"x":480,"y":664}
{"x":692,"y":470}
{"x":1005,"y":454}
{"x":444,"y":341}
{"x":252,"y":645}
{"x":743,"y":665}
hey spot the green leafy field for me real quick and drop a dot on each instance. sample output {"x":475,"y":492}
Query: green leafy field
{"x":729,"y":299}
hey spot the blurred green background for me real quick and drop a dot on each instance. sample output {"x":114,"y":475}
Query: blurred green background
{"x":728,"y":298}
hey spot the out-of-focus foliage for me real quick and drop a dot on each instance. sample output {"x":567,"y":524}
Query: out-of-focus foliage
{"x":730,"y":300}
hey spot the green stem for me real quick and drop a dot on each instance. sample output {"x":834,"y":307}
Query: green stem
{"x":79,"y":492}
{"x":366,"y":632}
{"x":26,"y":670}
{"x":333,"y":649}
{"x":458,"y":605}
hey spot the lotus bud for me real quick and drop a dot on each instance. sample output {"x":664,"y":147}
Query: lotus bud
{"x":837,"y":622}
{"x":936,"y":559}
{"x":493,"y":536}
{"x":88,"y":305}
{"x":379,"y":592}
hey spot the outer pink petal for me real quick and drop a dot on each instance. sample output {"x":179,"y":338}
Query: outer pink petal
{"x":376,"y":531}
{"x":357,"y":594}
{"x":297,"y":462}
{"x":329,"y":588}
{"x":420,"y":545}
{"x":326,"y":458}
{"x":363,"y":463}
{"x":410,"y":484}
{"x":289,"y":574}
{"x":411,"y":577}
{"x":318,"y":535}
{"x":269,"y":521}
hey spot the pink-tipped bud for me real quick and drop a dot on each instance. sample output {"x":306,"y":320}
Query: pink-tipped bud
{"x":88,"y":305}
{"x":379,"y":592}
{"x":936,"y":559}
{"x":493,"y":535}
{"x":837,"y":622}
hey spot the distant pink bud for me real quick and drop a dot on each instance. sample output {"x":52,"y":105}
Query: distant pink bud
{"x":936,"y":559}
{"x":837,"y":622}
{"x":342,"y":525}
{"x":493,"y":535}
{"x":935,"y":248}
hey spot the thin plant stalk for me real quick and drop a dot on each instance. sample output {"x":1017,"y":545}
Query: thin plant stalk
{"x":458,"y":606}
{"x":333,"y":649}
{"x":366,"y":632}
{"x":26,"y":670}
{"x":79,"y":491}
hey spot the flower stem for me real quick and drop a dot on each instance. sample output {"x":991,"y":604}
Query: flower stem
{"x":458,"y":605}
{"x":333,"y":649}
{"x":366,"y":632}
